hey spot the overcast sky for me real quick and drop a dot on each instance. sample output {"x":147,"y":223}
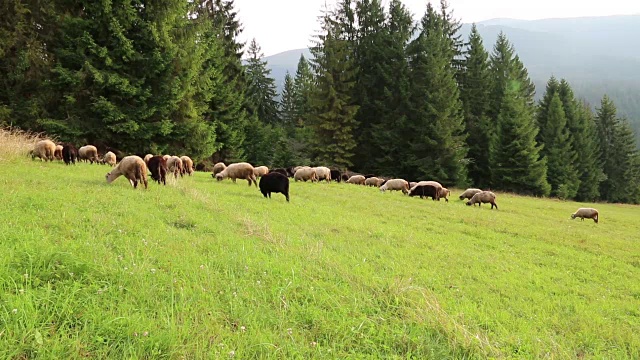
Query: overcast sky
{"x":280,"y":25}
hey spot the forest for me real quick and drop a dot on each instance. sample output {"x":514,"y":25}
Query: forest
{"x":383,"y":93}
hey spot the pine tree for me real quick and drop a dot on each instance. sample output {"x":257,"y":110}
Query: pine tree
{"x":606,"y":124}
{"x":438,"y":145}
{"x":515,"y":157}
{"x":304,"y":84}
{"x":261,"y":87}
{"x":474,"y":93}
{"x":288,"y":105}
{"x":452,"y":32}
{"x":542,"y":111}
{"x":333,"y":117}
{"x":558,"y":150}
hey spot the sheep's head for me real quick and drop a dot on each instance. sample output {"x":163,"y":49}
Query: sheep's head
{"x":469,"y":203}
{"x":219,"y":176}
{"x":573,"y":216}
{"x":110,"y":177}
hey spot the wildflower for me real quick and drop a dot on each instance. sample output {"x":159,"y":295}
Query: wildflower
{"x":290,"y":331}
{"x":232,"y":353}
{"x":146,"y":333}
{"x":153,"y":271}
{"x":15,"y":311}
{"x":313,"y":343}
{"x":201,"y":266}
{"x":243,"y":329}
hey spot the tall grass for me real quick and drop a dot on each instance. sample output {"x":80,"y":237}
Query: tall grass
{"x":16,"y":143}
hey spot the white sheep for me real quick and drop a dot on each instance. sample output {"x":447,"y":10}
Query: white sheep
{"x":396,"y":185}
{"x":109,"y":158}
{"x":305,"y":173}
{"x":187,"y":165}
{"x":235,"y":171}
{"x":45,"y":150}
{"x":174,"y":165}
{"x":133,"y":168}
{"x":323,"y":173}
{"x":586,"y":213}
{"x":88,"y":153}
{"x":260,"y":171}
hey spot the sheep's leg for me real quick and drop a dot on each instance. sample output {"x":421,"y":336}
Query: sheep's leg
{"x":132,"y":183}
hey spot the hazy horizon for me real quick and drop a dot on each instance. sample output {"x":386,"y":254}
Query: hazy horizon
{"x":294,"y":32}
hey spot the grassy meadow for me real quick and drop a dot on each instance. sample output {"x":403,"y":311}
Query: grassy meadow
{"x":206,"y":269}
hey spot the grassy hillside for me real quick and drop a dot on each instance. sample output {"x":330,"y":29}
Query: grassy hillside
{"x":205,"y":269}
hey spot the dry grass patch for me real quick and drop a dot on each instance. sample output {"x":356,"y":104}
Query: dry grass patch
{"x":16,"y":143}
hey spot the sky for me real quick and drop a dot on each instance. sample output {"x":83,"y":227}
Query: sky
{"x":281,"y":25}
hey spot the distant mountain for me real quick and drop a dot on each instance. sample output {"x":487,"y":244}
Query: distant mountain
{"x":597,"y":55}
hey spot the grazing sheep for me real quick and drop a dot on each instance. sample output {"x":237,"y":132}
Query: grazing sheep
{"x":218,"y":168}
{"x":45,"y":150}
{"x":468,"y":194}
{"x":432,"y":183}
{"x":58,"y":153}
{"x":274,"y":182}
{"x":147,"y":157}
{"x":174,"y":164}
{"x":282,"y":171}
{"x":425,"y":190}
{"x":374,"y":181}
{"x":290,"y":172}
{"x":133,"y":168}
{"x":109,"y":158}
{"x":158,"y":167}
{"x":356,"y":179}
{"x":88,"y":153}
{"x":395,"y":185}
{"x":260,"y":171}
{"x":336,"y":175}
{"x":412,"y":184}
{"x":369,"y":176}
{"x":187,"y":165}
{"x":445,"y":193}
{"x":305,"y":173}
{"x":166,"y":157}
{"x":323,"y":173}
{"x":586,"y":213}
{"x":235,"y":171}
{"x":483,"y":197}
{"x":69,"y":154}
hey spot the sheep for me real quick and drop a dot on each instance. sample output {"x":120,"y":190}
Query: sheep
{"x":282,"y":171}
{"x":147,"y":157}
{"x":260,"y":171}
{"x":468,"y":194}
{"x":174,"y":164}
{"x":588,"y":213}
{"x":45,"y":150}
{"x":166,"y":157}
{"x":157,"y":165}
{"x":69,"y":154}
{"x":305,"y":173}
{"x":109,"y":158}
{"x":290,"y":171}
{"x":336,"y":175}
{"x":88,"y":153}
{"x":426,"y":190}
{"x":356,"y":179}
{"x":483,"y":197}
{"x":432,"y":183}
{"x":133,"y":168}
{"x":395,"y":185}
{"x":373,"y":181}
{"x":58,"y":153}
{"x":444,"y":193}
{"x":369,"y":176}
{"x":274,"y":182}
{"x":235,"y":171}
{"x":323,"y":173}
{"x":218,"y":168}
{"x":187,"y":165}
{"x":412,"y":184}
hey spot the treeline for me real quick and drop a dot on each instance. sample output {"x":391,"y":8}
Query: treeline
{"x":383,"y":94}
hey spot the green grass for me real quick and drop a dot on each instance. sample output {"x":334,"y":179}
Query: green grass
{"x":206,"y":269}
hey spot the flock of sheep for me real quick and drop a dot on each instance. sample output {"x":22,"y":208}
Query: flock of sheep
{"x":135,"y":169}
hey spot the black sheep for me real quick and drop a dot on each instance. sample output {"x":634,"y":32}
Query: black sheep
{"x":290,"y":171}
{"x":274,"y":182}
{"x":158,"y":167}
{"x":69,"y":154}
{"x":280,"y":171}
{"x":425,"y":190}
{"x":336,"y":175}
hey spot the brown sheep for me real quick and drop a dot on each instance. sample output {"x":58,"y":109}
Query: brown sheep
{"x":374,"y":181}
{"x":217,"y":168}
{"x":235,"y":171}
{"x":468,"y":194}
{"x":166,"y":157}
{"x":445,"y":193}
{"x":305,"y":173}
{"x":45,"y":150}
{"x":133,"y":168}
{"x":586,"y":213}
{"x":356,"y":179}
{"x":187,"y":165}
{"x":483,"y":197}
{"x":260,"y":171}
{"x":88,"y":153}
{"x":58,"y":153}
{"x":174,"y":165}
{"x":109,"y":158}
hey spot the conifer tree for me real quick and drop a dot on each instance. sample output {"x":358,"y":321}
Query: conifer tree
{"x":261,"y":87}
{"x":542,"y":111}
{"x":303,"y":87}
{"x":288,"y":104}
{"x":474,"y":93}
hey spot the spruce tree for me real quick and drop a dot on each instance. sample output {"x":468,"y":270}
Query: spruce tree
{"x":606,"y":124}
{"x":542,"y":111}
{"x":288,"y":104}
{"x":333,"y":115}
{"x":474,"y":93}
{"x":261,"y":87}
{"x":303,"y":87}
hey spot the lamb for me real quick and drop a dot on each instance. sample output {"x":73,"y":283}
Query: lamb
{"x":305,"y":173}
{"x":69,"y":154}
{"x":147,"y":157}
{"x":45,"y":150}
{"x":158,"y":167}
{"x":235,"y":171}
{"x":260,"y":171}
{"x":217,"y":168}
{"x":483,"y":197}
{"x":395,"y":185}
{"x":88,"y":153}
{"x":426,"y":190}
{"x":187,"y":165}
{"x":58,"y":153}
{"x":336,"y":175}
{"x":588,"y":213}
{"x":373,"y":181}
{"x":323,"y":173}
{"x":274,"y":182}
{"x":109,"y":158}
{"x":356,"y":179}
{"x":444,"y":193}
{"x":174,"y":164}
{"x":133,"y":168}
{"x":468,"y":194}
